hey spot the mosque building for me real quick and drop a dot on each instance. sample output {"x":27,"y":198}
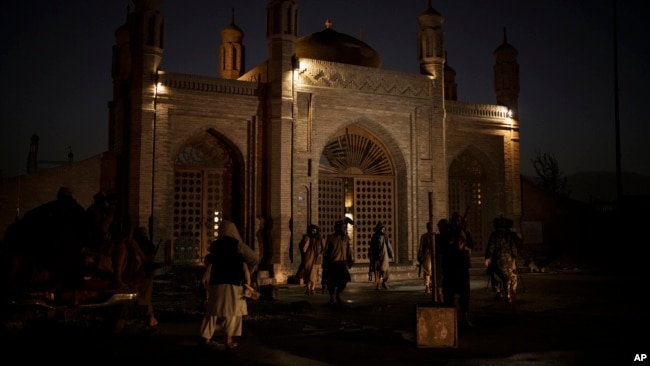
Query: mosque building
{"x":315,"y":133}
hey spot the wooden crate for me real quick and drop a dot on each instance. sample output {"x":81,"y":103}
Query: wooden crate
{"x":437,"y":326}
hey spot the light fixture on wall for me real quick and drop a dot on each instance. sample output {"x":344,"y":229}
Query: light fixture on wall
{"x":349,"y":195}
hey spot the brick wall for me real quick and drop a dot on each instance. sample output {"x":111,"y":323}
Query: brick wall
{"x":25,"y":192}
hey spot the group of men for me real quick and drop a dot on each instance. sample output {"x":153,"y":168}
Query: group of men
{"x":337,"y":258}
{"x":444,"y":260}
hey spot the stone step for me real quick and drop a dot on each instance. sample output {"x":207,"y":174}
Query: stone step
{"x":359,"y":273}
{"x":186,"y":279}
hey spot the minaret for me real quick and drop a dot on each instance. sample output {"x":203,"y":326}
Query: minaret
{"x":431,"y":42}
{"x":137,"y":55}
{"x":32,"y":157}
{"x":281,"y":35}
{"x":451,"y":88}
{"x":506,"y":75}
{"x":506,"y":88}
{"x":231,"y":52}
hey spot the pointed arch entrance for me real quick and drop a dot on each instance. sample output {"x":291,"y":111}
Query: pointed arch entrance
{"x":357,"y":180}
{"x":467,"y":193}
{"x":203,"y":195}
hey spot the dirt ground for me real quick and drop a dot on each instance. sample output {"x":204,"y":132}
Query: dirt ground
{"x":557,"y":318}
{"x":568,"y":317}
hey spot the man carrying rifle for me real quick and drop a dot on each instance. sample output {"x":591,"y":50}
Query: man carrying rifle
{"x":500,"y":259}
{"x":456,"y":249}
{"x":425,"y":257}
{"x":145,"y":290}
{"x":429,"y":258}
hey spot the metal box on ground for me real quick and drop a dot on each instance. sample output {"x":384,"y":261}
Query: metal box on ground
{"x":437,"y":326}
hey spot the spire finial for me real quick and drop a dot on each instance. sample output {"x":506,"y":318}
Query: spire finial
{"x":505,"y":35}
{"x":328,"y":23}
{"x":232,"y":16}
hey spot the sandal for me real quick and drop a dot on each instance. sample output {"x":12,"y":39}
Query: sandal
{"x":232,"y":345}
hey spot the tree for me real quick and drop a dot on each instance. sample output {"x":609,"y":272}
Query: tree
{"x":549,"y":175}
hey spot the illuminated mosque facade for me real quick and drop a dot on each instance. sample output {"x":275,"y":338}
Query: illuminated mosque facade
{"x":315,"y":133}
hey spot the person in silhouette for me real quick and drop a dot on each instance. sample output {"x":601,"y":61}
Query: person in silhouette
{"x":426,"y":256}
{"x":337,"y":259}
{"x":311,"y":251}
{"x":456,"y":250}
{"x":226,"y":305}
{"x":145,"y":288}
{"x":440,"y":241}
{"x":381,"y":252}
{"x":500,"y":259}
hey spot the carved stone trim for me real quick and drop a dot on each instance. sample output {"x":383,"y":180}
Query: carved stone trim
{"x":334,"y":75}
{"x":207,"y":84}
{"x":476,"y":110}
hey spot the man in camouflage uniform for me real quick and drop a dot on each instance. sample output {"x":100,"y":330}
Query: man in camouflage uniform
{"x":500,"y":257}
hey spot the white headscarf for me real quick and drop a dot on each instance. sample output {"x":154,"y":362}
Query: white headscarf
{"x":228,"y":228}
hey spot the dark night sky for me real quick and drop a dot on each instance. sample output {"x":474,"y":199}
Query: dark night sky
{"x":55,"y":65}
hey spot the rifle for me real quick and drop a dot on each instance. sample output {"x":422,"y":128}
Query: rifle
{"x":434,"y":265}
{"x":157,"y":247}
{"x":520,"y":278}
{"x":463,"y":226}
{"x":465,"y":214}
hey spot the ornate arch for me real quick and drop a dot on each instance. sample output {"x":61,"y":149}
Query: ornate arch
{"x":203,"y":195}
{"x":355,"y":152}
{"x":204,"y":150}
{"x":357,"y":179}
